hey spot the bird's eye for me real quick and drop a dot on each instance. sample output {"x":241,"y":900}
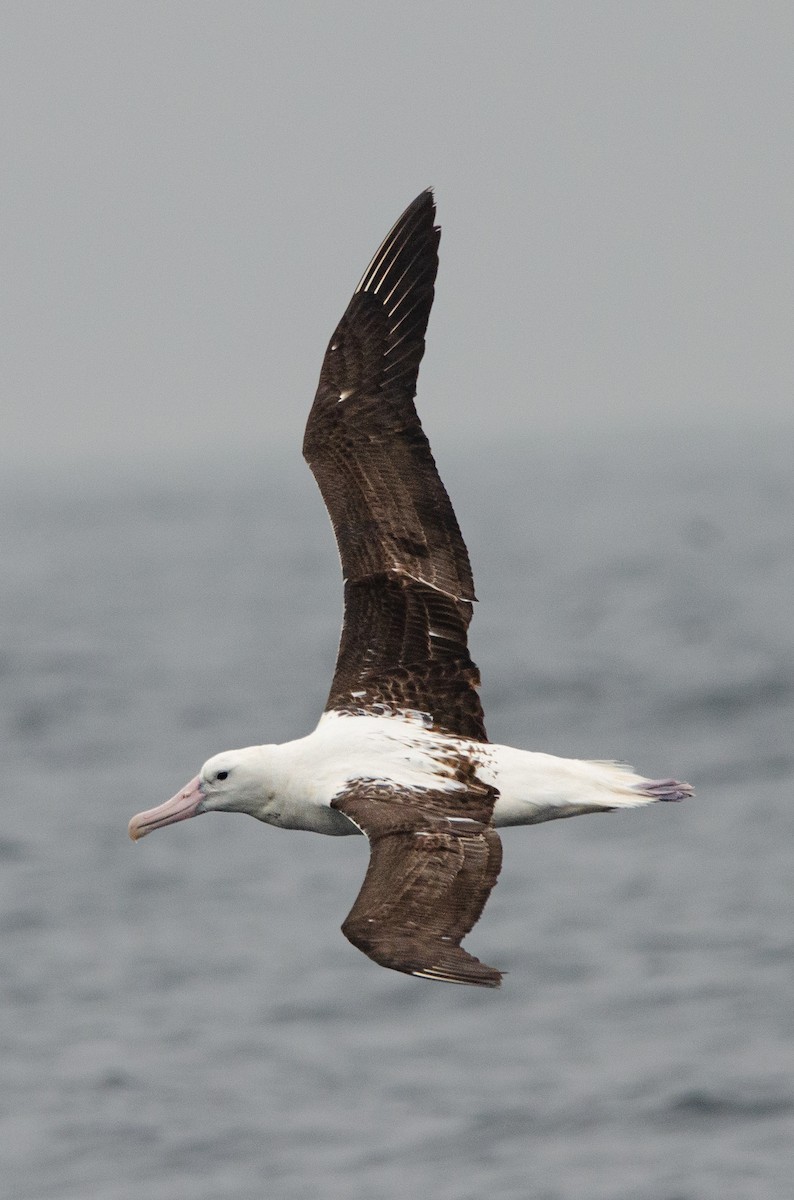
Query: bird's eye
{"x":222,"y":775}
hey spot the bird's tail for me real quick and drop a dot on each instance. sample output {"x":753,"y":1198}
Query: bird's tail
{"x":664,"y":789}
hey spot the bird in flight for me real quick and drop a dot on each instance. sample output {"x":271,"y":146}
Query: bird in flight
{"x":401,"y":753}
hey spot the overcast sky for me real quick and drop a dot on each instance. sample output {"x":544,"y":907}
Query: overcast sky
{"x":191,"y":191}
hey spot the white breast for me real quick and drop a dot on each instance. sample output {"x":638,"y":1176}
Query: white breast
{"x":307,"y":774}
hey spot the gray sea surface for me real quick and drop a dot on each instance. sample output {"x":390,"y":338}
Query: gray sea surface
{"x":183,"y":1017}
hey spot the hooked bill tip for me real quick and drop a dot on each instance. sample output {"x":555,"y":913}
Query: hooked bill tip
{"x":135,"y":831}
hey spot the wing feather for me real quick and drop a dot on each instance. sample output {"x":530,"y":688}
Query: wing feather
{"x":427,"y":883}
{"x":397,"y":534}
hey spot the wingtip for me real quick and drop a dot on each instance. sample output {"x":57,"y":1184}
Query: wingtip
{"x":490,"y":978}
{"x":427,"y":195}
{"x":427,"y":199}
{"x":458,"y":966}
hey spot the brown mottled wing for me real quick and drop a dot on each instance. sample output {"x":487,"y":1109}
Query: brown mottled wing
{"x":408,"y":581}
{"x":428,"y":879}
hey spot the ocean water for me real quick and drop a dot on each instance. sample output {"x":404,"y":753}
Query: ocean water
{"x":183,"y":1018}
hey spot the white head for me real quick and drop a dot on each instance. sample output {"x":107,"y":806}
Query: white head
{"x":233,"y":781}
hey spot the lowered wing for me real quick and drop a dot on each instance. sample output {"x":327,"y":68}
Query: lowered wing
{"x":428,"y":879}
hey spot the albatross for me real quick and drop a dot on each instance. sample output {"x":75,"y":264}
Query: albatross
{"x":400,"y":753}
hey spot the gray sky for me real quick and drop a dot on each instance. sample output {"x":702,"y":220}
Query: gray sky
{"x":191,"y":190}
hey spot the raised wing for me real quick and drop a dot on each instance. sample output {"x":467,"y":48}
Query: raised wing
{"x":428,"y":879}
{"x":408,"y":581}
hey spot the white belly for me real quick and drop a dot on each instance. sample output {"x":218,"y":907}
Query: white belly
{"x":536,"y":787}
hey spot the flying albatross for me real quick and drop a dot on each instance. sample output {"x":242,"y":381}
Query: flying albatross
{"x":400,"y":753}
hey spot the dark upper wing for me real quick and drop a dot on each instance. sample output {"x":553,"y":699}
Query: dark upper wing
{"x":408,"y":581}
{"x":428,"y":879}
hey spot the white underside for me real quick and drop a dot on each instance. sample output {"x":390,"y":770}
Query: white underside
{"x":304,"y":776}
